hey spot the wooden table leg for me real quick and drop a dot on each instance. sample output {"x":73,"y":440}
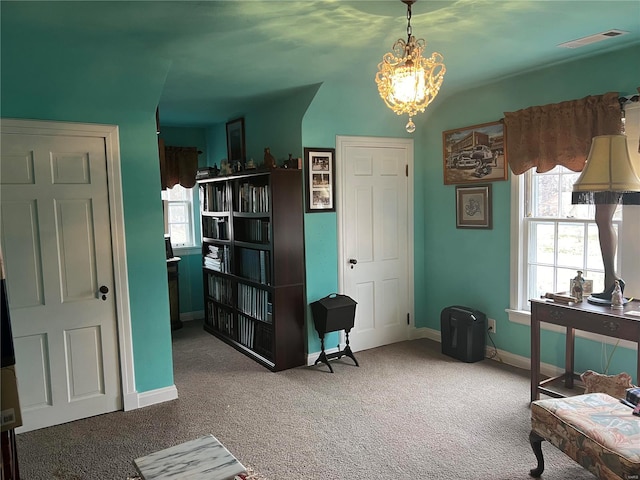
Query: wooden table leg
{"x":535,"y":352}
{"x":638,"y":366}
{"x":568,"y":362}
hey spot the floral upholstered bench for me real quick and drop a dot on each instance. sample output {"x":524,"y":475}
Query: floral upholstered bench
{"x":596,"y":430}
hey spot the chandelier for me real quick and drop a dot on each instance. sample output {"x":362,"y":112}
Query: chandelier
{"x":408,"y":82}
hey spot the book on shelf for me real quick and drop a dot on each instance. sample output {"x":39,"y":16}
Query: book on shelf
{"x":246,"y":327}
{"x":254,"y":302}
{"x":219,"y":318}
{"x":214,"y":198}
{"x":255,"y":265}
{"x":253,"y":198}
{"x":219,"y":289}
{"x":217,"y":258}
{"x":257,"y":230}
{"x":263,"y":340}
{"x":214,"y":227}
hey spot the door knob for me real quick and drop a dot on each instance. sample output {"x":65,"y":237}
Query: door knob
{"x":104,"y":290}
{"x":353,"y":261}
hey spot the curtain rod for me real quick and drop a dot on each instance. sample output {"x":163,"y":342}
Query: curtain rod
{"x":628,"y":99}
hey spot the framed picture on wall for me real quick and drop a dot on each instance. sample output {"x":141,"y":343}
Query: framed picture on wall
{"x":473,"y":207}
{"x":320,"y":179}
{"x":235,"y":142}
{"x":475,"y":154}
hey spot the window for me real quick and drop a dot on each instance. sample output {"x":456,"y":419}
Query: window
{"x":561,"y":238}
{"x":178,"y":215}
{"x":551,"y":238}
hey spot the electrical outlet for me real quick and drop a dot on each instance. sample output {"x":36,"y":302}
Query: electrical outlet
{"x":491,"y":326}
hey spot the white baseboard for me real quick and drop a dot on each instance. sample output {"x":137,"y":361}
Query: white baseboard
{"x":190,"y":316}
{"x":312,"y":357}
{"x":152,"y":397}
{"x":130,"y":401}
{"x":502,"y":355}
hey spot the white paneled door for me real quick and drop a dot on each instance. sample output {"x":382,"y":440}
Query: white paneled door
{"x":375,"y":242}
{"x":56,"y":243}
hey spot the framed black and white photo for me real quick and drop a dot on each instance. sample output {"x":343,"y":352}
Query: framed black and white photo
{"x":235,"y":142}
{"x":320,"y":179}
{"x":473,"y":207}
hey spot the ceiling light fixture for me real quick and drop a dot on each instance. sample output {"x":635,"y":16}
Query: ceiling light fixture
{"x":408,"y":82}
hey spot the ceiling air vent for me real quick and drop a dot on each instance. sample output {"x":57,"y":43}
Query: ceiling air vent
{"x":598,"y":37}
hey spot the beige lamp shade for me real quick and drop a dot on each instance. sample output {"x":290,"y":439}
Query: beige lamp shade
{"x":609,"y":167}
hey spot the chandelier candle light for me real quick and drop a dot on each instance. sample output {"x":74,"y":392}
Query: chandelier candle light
{"x":408,"y":82}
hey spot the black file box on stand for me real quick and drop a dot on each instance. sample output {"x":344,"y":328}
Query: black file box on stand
{"x":332,"y":313}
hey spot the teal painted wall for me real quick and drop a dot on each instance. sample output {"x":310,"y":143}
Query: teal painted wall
{"x":465,"y":255}
{"x":42,"y":78}
{"x":455,"y":266}
{"x":277,"y":124}
{"x":216,"y":144}
{"x":186,"y":137}
{"x":339,"y":109}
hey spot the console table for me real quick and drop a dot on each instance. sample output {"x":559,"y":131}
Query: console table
{"x":579,"y":316}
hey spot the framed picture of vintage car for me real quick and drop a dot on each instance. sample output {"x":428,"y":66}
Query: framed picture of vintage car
{"x":475,"y":154}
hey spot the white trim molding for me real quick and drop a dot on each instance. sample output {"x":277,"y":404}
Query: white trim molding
{"x":110,"y":134}
{"x":342,"y":143}
{"x":312,"y":357}
{"x":159,"y":395}
{"x":185,"y":251}
{"x":191,"y":316}
{"x":501,"y":356}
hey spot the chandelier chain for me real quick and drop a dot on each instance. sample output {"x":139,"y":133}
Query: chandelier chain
{"x":407,"y":81}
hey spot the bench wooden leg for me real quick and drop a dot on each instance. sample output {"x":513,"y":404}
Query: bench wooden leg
{"x":536,"y":445}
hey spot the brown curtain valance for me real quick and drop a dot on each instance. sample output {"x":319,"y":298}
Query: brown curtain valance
{"x":639,"y":138}
{"x":180,"y":166}
{"x":560,"y":133}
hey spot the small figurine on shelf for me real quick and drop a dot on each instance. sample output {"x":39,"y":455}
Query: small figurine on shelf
{"x":577,"y":287}
{"x":617,"y":302}
{"x":225,"y":169}
{"x":269,"y":160}
{"x":288,"y":163}
{"x":251,"y":164}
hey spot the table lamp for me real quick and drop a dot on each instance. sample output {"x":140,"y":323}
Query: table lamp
{"x":608,"y":178}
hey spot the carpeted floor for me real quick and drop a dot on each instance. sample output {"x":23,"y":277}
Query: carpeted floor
{"x":407,"y":412}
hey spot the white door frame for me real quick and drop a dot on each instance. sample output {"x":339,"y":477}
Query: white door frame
{"x":110,"y":134}
{"x":342,"y":143}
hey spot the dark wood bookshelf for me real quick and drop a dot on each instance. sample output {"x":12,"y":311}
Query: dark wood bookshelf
{"x":254,"y":290}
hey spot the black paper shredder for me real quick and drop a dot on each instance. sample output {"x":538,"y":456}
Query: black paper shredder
{"x":463,"y":333}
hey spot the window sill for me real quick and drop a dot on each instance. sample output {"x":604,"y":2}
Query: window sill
{"x":183,"y":251}
{"x":523,"y":317}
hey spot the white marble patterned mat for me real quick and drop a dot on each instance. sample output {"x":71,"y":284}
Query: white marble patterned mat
{"x":204,"y":458}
